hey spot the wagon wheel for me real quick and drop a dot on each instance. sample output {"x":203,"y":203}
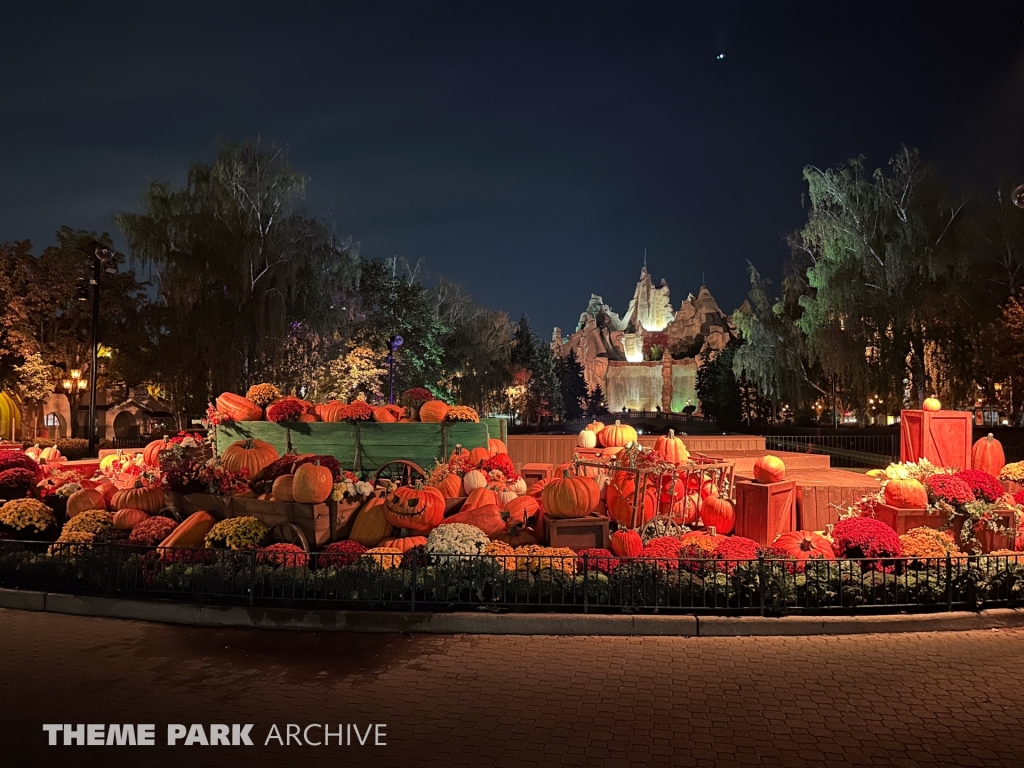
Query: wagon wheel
{"x":661,"y":525}
{"x":288,"y":533}
{"x":400,"y":472}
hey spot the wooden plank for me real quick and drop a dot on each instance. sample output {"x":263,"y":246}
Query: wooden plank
{"x":327,"y":439}
{"x":381,"y":443}
{"x":314,"y":520}
{"x":764,"y":511}
{"x":267,"y":431}
{"x":469,"y":436}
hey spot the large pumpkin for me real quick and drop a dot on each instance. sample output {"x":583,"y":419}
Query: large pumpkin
{"x":414,"y":507}
{"x":805,"y":545}
{"x":388,"y":414}
{"x":627,"y":544}
{"x":906,"y":494}
{"x":331,"y":411}
{"x":312,"y":483}
{"x":769,"y":469}
{"x":478,"y":456}
{"x":519,"y":510}
{"x":85,"y":500}
{"x":433,"y":411}
{"x":250,"y":456}
{"x":594,"y":426}
{"x":126,"y":519}
{"x":586,"y":439}
{"x":450,"y":486}
{"x":620,"y":496}
{"x":718,"y":513}
{"x":238,"y":408}
{"x":149,"y":499}
{"x":495,"y":446}
{"x":405,"y":541}
{"x":672,"y":447}
{"x":480,"y":497}
{"x":568,"y":497}
{"x":617,"y":435}
{"x":151,"y":453}
{"x":487,"y":518}
{"x":987,"y":455}
{"x":192,"y":532}
{"x":931,"y":404}
{"x":281,"y":490}
{"x":371,"y":525}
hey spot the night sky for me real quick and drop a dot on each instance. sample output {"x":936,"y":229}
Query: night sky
{"x":530,"y":150}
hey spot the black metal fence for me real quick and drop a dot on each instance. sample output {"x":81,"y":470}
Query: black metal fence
{"x":849,"y":450}
{"x":516,"y":582}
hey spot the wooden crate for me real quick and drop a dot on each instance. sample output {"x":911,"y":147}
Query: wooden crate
{"x":764,"y":511}
{"x":187,"y":504}
{"x":821,"y":492}
{"x":990,"y":541}
{"x":314,"y":520}
{"x":576,"y":533}
{"x":342,"y":515}
{"x":535,"y":472}
{"x":903,"y":520}
{"x":1011,"y":487}
{"x":942,"y":437}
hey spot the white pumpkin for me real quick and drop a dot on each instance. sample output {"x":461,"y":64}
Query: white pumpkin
{"x":519,"y":486}
{"x":504,"y":497}
{"x":587,"y":439}
{"x":474,"y":479}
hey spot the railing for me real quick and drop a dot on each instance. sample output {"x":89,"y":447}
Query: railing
{"x":518,"y":582}
{"x":120,"y":443}
{"x":850,"y":450}
{"x":668,"y":416}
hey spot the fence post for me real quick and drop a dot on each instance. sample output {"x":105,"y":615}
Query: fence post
{"x":412,"y":599}
{"x":586,"y":595}
{"x":252,"y":576}
{"x":760,"y":580}
{"x":949,"y":582}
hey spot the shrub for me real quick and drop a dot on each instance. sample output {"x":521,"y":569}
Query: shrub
{"x":152,"y":531}
{"x":17,"y":483}
{"x":283,"y":555}
{"x":865,"y":537}
{"x":598,"y":559}
{"x":338,"y":554}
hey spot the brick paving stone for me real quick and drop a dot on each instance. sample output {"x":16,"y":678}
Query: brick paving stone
{"x":899,"y":701}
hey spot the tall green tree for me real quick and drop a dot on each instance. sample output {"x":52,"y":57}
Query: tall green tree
{"x":573,"y":385}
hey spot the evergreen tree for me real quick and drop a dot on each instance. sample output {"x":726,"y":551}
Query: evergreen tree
{"x":718,"y":390}
{"x":597,"y":405}
{"x":573,"y":386}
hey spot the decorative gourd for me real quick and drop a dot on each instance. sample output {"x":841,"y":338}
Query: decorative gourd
{"x":480,"y":497}
{"x":238,"y":408}
{"x":931,"y":404}
{"x":126,"y":519}
{"x":718,"y":513}
{"x":192,"y":532}
{"x":151,"y":453}
{"x":312,"y":483}
{"x":906,"y":494}
{"x":586,"y":439}
{"x":250,"y":456}
{"x":494,"y":445}
{"x":619,"y":498}
{"x":331,"y":411}
{"x":450,"y":486}
{"x":487,"y":518}
{"x":519,"y":510}
{"x":627,"y":544}
{"x":569,"y":497}
{"x":433,"y":411}
{"x":474,"y":479}
{"x":987,"y":455}
{"x":478,"y":456}
{"x":672,"y":447}
{"x":281,"y":490}
{"x":805,"y":545}
{"x":769,"y":469}
{"x":417,"y":508}
{"x":84,"y":500}
{"x":371,"y":526}
{"x":150,"y":499}
{"x":405,"y":541}
{"x":617,"y":435}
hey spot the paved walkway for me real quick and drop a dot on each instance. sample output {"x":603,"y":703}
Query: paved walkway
{"x":943,"y":699}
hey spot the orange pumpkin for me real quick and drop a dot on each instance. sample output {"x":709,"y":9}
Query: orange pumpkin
{"x":151,"y":453}
{"x":494,"y":445}
{"x":404,"y":541}
{"x":331,"y":411}
{"x":672,"y":447}
{"x":707,"y":539}
{"x":126,"y":519}
{"x":192,"y":532}
{"x":627,"y":544}
{"x":617,"y":435}
{"x":149,"y":499}
{"x":681,"y":503}
{"x":536,"y":490}
{"x":250,"y":456}
{"x":718,"y":513}
{"x":519,"y":510}
{"x":433,"y":411}
{"x":518,"y":536}
{"x":619,"y":498}
{"x":594,"y":426}
{"x":85,"y":500}
{"x":931,"y":404}
{"x":238,"y":408}
{"x":805,"y":545}
{"x":987,"y":455}
{"x":312,"y":483}
{"x":414,"y":507}
{"x":568,"y":497}
{"x":371,"y":525}
{"x":50,"y":455}
{"x":478,"y":456}
{"x":281,"y":490}
{"x":906,"y":494}
{"x":487,"y":518}
{"x":388,"y":414}
{"x":308,"y":418}
{"x":769,"y":469}
{"x":479,"y":497}
{"x":450,"y":486}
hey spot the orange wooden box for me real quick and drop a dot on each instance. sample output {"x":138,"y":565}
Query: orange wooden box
{"x":576,"y":533}
{"x":765,"y":510}
{"x":534,"y":473}
{"x":942,"y":437}
{"x":903,"y":520}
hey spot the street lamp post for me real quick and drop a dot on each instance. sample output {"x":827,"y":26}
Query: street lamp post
{"x":102,"y":261}
{"x":393,"y":343}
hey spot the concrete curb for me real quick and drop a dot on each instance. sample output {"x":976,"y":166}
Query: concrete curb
{"x":168,"y":612}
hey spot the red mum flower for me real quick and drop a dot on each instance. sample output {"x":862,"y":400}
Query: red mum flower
{"x":733,"y":550}
{"x":340,"y":553}
{"x":286,"y":409}
{"x":503,"y":463}
{"x":985,"y":487}
{"x":283,"y":555}
{"x":598,"y":559}
{"x":865,"y":537}
{"x":152,"y":531}
{"x":950,"y":488}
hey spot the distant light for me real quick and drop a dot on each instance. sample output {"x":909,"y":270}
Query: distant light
{"x":720,"y":57}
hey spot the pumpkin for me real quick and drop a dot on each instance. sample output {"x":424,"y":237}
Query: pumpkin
{"x":331,"y":411}
{"x":417,"y":508}
{"x":487,"y":518}
{"x":586,"y":439}
{"x":191,"y":534}
{"x":250,"y":456}
{"x":450,"y":486}
{"x":620,"y":496}
{"x":105,"y":463}
{"x":149,"y":499}
{"x":672,"y":447}
{"x":906,"y":494}
{"x":433,"y":411}
{"x":627,"y":544}
{"x":50,"y":454}
{"x":505,"y":496}
{"x":126,"y":519}
{"x":804,"y":545}
{"x":617,"y":435}
{"x":707,"y":539}
{"x":594,"y":426}
{"x":682,"y":504}
{"x":611,"y":453}
{"x":718,"y":513}
{"x":151,"y":453}
{"x":518,"y":485}
{"x":474,"y":479}
{"x":312,"y":483}
{"x":518,"y":536}
{"x":388,"y":414}
{"x":568,"y":497}
{"x":769,"y":469}
{"x":107,"y":488}
{"x":520,"y":509}
{"x":371,"y":525}
{"x":238,"y":408}
{"x":404,"y":541}
{"x":478,"y":456}
{"x":536,"y":490}
{"x":281,"y":490}
{"x":35,"y":450}
{"x":479,"y":497}
{"x":987,"y":455}
{"x":931,"y":404}
{"x":308,"y":418}
{"x":494,"y":445}
{"x":84,"y":500}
